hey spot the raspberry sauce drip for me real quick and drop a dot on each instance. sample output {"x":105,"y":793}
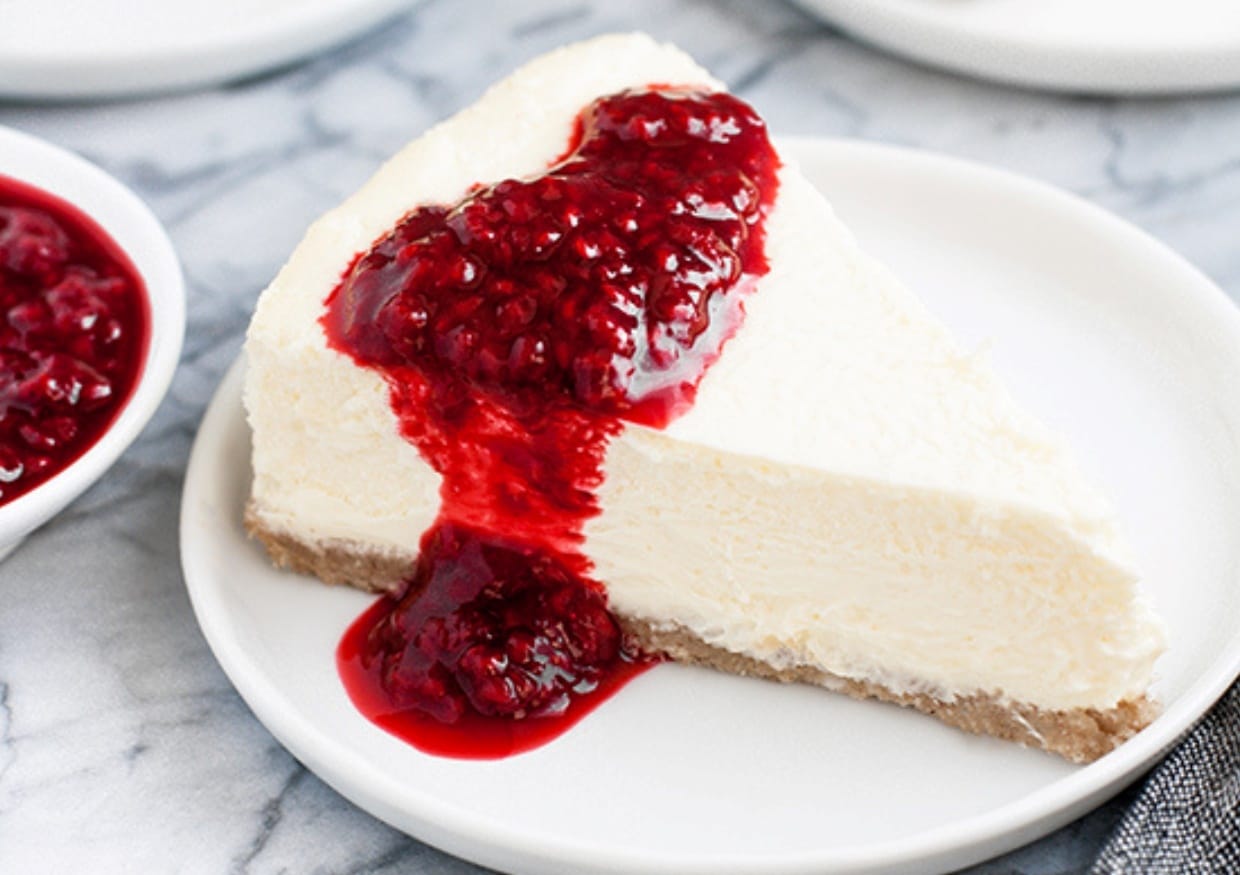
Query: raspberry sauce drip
{"x":73,"y":334}
{"x":518,"y":331}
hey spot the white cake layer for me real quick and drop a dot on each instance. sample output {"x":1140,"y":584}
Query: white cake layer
{"x":850,"y":490}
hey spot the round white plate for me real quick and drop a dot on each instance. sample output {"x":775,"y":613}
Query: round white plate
{"x":1100,"y":329}
{"x":61,"y":49}
{"x":1107,"y":46}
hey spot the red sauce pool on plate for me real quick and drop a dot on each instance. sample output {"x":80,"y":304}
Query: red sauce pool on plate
{"x":518,"y":330}
{"x":74,"y":329}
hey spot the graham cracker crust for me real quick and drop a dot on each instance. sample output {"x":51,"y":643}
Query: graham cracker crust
{"x":336,"y":562}
{"x":1080,"y":735}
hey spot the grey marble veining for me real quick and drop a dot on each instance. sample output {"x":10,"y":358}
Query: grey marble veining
{"x":123,"y":748}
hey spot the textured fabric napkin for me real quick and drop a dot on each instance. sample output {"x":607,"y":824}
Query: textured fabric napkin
{"x":1187,"y":816}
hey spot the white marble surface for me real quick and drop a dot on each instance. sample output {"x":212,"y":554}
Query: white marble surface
{"x":123,"y":748}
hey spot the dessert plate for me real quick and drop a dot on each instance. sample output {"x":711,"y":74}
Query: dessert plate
{"x":61,"y":49}
{"x":1107,"y":46}
{"x":1099,"y":329}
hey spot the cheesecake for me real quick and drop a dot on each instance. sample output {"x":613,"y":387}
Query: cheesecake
{"x":595,"y":336}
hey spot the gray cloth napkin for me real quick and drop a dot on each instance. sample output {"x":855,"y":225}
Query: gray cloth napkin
{"x":1186,"y":818}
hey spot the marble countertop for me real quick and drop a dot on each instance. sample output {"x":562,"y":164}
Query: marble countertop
{"x":123,"y":747}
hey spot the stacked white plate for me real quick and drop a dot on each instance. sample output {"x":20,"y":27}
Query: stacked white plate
{"x":62,"y":49}
{"x":1098,"y":46}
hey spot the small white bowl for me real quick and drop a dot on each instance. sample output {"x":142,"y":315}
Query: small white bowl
{"x":132,"y":225}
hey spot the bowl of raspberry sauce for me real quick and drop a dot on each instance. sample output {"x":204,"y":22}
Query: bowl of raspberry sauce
{"x":92,"y":316}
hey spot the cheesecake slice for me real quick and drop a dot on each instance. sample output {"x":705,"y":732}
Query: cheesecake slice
{"x":841,"y":497}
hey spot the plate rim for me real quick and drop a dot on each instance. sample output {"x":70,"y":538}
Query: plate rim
{"x":294,"y":33}
{"x":969,"y":840}
{"x":921,"y":34}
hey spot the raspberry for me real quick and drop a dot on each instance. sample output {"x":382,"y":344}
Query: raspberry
{"x":32,"y":244}
{"x":11,"y":465}
{"x":482,"y":623}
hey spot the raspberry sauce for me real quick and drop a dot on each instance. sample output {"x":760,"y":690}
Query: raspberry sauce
{"x":73,"y":335}
{"x":518,"y":331}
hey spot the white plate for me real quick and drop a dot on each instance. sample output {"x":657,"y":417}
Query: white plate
{"x":62,"y":49}
{"x":1108,"y":46}
{"x":1098,"y":327}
